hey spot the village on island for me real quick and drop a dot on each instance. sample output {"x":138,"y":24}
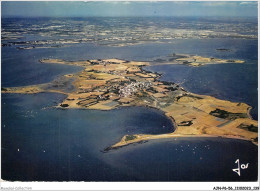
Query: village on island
{"x":111,"y":83}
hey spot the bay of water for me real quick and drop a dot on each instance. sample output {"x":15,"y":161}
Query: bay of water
{"x":233,"y":82}
{"x":67,"y":145}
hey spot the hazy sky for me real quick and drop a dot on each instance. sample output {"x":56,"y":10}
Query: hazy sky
{"x":128,"y":8}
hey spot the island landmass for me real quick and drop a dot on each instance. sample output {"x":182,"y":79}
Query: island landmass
{"x":194,"y":60}
{"x":111,"y":83}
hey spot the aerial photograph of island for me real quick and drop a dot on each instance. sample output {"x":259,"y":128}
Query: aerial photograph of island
{"x":129,"y":91}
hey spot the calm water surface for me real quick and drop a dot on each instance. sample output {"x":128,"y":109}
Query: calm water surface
{"x":45,"y":144}
{"x":63,"y":145}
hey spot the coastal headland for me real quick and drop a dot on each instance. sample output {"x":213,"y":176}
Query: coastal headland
{"x":111,"y":83}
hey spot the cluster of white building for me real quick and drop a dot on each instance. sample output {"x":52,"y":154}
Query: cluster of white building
{"x":126,"y":91}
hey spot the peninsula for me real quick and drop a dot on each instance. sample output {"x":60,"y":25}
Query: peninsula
{"x":111,"y":83}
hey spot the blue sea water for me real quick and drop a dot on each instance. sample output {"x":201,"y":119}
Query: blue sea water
{"x":215,"y":80}
{"x":68,"y":145}
{"x":41,"y":143}
{"x":50,"y":140}
{"x":233,"y":82}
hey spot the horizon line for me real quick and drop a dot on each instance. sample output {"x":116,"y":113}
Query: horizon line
{"x":123,"y":16}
